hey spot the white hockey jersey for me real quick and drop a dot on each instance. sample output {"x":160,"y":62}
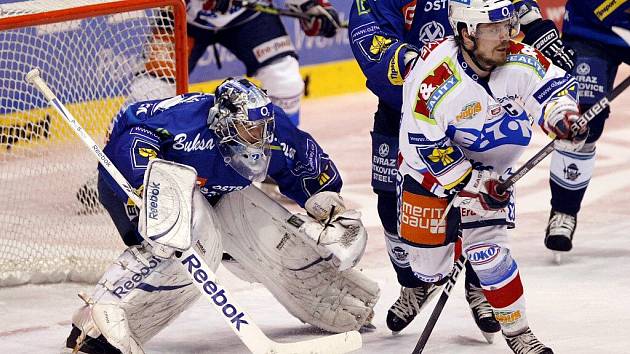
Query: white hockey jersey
{"x":453,"y":120}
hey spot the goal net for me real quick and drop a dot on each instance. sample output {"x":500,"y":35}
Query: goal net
{"x":98,"y":56}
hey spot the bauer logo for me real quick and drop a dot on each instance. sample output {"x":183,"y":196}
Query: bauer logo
{"x":152,"y":193}
{"x":484,"y":253}
{"x":218,"y":295}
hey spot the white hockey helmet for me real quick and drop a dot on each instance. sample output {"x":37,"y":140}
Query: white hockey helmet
{"x":243,"y":119}
{"x":474,"y":12}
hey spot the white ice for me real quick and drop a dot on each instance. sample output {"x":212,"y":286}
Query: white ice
{"x":580,"y":306}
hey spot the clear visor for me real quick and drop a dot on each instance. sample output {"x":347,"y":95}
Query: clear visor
{"x":246,"y":147}
{"x":499,"y":30}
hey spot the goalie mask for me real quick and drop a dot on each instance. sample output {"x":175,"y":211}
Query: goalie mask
{"x":242,"y":117}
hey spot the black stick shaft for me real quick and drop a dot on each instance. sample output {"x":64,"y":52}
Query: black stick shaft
{"x":548,"y":149}
{"x":439,"y":306}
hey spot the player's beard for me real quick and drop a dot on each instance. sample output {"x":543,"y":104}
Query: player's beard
{"x":494,"y":57}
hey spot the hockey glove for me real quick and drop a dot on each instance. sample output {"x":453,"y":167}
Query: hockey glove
{"x":560,"y":114}
{"x":338,"y":230}
{"x":480,"y":195}
{"x":544,"y":36}
{"x":324,"y":206}
{"x":324,"y":21}
{"x":222,"y":6}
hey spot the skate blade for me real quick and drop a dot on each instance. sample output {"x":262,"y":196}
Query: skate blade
{"x":557,"y":258}
{"x":488,"y":336}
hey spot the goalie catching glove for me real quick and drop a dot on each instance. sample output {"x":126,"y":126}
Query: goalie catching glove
{"x":480,"y":194}
{"x":324,"y":19}
{"x":335,"y":229}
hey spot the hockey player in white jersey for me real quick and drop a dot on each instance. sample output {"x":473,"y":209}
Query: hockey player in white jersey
{"x":469,"y":103}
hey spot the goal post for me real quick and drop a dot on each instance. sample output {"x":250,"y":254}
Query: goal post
{"x":99,"y":56}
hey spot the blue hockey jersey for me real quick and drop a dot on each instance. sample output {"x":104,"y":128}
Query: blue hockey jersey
{"x":381,"y":32}
{"x":176,"y":129}
{"x":594,"y":19}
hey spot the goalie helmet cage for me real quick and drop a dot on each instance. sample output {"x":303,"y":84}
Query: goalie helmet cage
{"x":98,"y":56}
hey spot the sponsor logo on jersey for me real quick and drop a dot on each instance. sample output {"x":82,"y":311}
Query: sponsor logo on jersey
{"x":429,"y":278}
{"x":435,"y":5}
{"x":431,"y":31}
{"x":271,"y":48}
{"x":393,"y":74}
{"x":432,"y":89}
{"x":428,"y":48}
{"x":494,"y":110}
{"x":607,"y":7}
{"x":217,"y":293}
{"x":470,"y":110}
{"x":383,"y":150}
{"x":419,"y":217}
{"x":409,"y":11}
{"x":197,"y":144}
{"x":483,"y":253}
{"x":583,"y":69}
{"x":527,"y":56}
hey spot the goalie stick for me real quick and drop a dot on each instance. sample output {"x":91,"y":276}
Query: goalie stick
{"x":577,"y":125}
{"x":198,"y":271}
{"x":439,"y":306}
{"x":258,"y":7}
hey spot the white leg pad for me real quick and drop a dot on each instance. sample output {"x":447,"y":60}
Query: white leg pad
{"x":312,"y":289}
{"x":140,"y":294}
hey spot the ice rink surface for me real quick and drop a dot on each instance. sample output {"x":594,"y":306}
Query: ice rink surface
{"x":580,"y":306}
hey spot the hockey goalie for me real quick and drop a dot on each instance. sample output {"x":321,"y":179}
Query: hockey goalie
{"x":229,"y":140}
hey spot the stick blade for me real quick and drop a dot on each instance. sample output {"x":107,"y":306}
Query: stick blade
{"x":333,"y":344}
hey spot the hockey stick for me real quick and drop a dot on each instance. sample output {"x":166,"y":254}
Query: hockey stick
{"x":196,"y":268}
{"x":439,"y":306}
{"x":577,"y":125}
{"x":258,"y":7}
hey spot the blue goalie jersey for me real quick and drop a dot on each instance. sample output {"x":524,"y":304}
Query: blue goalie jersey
{"x":176,"y":129}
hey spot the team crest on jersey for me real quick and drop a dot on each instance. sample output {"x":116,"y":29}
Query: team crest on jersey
{"x":143,"y":152}
{"x":433,"y":88}
{"x":409,"y":12}
{"x":527,"y":56}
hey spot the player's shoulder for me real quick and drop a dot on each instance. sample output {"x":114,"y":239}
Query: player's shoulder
{"x":523,"y":57}
{"x":433,"y":55}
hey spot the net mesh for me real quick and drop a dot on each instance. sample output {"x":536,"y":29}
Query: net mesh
{"x":53,"y":228}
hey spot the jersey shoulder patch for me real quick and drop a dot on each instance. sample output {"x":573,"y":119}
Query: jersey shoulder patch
{"x":433,"y":88}
{"x":527,"y":56}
